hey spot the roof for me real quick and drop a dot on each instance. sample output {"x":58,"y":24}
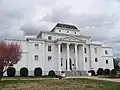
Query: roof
{"x":65,"y":26}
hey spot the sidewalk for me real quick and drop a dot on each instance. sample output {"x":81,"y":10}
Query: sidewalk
{"x":96,"y":78}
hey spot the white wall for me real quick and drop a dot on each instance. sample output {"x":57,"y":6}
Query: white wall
{"x":53,"y":63}
{"x":101,"y":58}
{"x":110,"y":64}
{"x":54,"y":36}
{"x":86,"y":55}
{"x":32,"y":51}
{"x":108,"y":57}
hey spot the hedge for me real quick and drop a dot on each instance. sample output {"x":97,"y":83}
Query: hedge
{"x":11,"y":71}
{"x":24,"y":72}
{"x":38,"y":71}
{"x":107,"y":72}
{"x":113,"y":72}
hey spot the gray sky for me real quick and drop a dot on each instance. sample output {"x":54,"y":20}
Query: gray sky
{"x":99,"y":19}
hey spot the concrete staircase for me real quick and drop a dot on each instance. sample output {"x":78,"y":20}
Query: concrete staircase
{"x":76,"y":73}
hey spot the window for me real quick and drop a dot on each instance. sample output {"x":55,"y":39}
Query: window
{"x":67,"y":31}
{"x":85,"y":50}
{"x":36,"y":57}
{"x":75,"y":32}
{"x":49,"y":48}
{"x":59,"y":30}
{"x":61,"y":48}
{"x":49,"y":58}
{"x":95,"y":50}
{"x":106,"y":52}
{"x":106,"y":61}
{"x":96,"y":60}
{"x":61,"y":61}
{"x":85,"y":59}
{"x":36,"y":46}
{"x":49,"y":37}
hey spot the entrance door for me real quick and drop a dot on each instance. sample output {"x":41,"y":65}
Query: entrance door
{"x":66,"y":64}
{"x":70,"y":64}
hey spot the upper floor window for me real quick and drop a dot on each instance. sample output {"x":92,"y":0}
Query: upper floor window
{"x":49,"y":48}
{"x":49,"y":37}
{"x":95,"y":50}
{"x":49,"y":58}
{"x":96,"y":59}
{"x":36,"y":46}
{"x":59,"y":30}
{"x":75,"y":32}
{"x":85,"y":59}
{"x":36,"y":57}
{"x":106,"y":52}
{"x":106,"y":61}
{"x":67,"y":31}
{"x":85,"y":50}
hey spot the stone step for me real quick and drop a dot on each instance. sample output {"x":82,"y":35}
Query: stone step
{"x":76,"y":73}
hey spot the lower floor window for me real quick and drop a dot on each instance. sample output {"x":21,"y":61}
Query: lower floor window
{"x":96,"y":59}
{"x":61,"y":61}
{"x":106,"y":61}
{"x":85,"y":59}
{"x":36,"y":57}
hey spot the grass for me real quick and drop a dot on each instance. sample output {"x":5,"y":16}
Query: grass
{"x":56,"y":84}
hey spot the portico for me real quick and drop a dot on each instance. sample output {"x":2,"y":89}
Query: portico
{"x":75,"y":53}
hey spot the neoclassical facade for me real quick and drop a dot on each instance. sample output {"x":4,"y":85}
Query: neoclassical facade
{"x":63,"y":49}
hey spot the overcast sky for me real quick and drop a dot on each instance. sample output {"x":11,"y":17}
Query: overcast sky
{"x":99,"y":19}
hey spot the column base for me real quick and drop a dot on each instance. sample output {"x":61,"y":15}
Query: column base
{"x":68,"y":70}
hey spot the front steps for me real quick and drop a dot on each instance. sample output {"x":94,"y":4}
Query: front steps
{"x":76,"y":73}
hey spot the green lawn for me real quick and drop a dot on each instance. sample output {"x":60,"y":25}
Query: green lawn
{"x":56,"y":84}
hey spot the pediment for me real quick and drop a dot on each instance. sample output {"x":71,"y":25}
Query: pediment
{"x":71,"y":38}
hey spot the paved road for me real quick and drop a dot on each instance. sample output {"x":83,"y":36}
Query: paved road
{"x":97,"y":78}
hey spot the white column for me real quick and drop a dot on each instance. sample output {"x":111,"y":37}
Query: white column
{"x":59,"y":57}
{"x":76,"y":57}
{"x":83,"y":56}
{"x":68,"y":61}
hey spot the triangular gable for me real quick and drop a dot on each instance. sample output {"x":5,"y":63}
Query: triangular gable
{"x":71,"y":38}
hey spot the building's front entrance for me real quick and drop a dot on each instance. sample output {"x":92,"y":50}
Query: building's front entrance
{"x":70,"y":64}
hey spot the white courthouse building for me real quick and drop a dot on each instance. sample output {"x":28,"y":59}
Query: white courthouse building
{"x":63,"y":49}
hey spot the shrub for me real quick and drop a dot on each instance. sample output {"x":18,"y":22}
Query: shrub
{"x":92,"y":72}
{"x":38,"y":72}
{"x":107,"y":72}
{"x":113,"y":72}
{"x":51,"y":73}
{"x":24,"y":72}
{"x":11,"y":71}
{"x":100,"y":71}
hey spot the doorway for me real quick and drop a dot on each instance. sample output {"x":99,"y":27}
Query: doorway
{"x":70,"y":64}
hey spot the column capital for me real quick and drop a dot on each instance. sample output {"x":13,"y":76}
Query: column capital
{"x":59,"y":43}
{"x":76,"y":44}
{"x":68,"y":43}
